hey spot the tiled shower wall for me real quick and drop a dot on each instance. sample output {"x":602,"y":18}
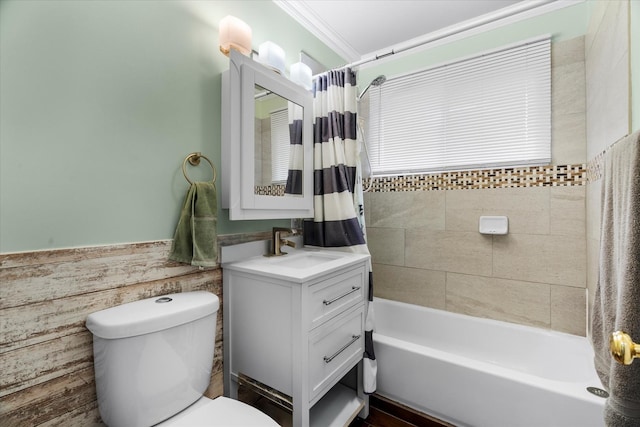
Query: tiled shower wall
{"x":425,"y":244}
{"x":608,"y":112}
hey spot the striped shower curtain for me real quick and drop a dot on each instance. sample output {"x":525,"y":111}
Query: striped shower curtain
{"x":296,"y":158}
{"x":338,"y":221}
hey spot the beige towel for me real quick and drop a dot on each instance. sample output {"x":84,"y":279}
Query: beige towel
{"x":617,"y":299}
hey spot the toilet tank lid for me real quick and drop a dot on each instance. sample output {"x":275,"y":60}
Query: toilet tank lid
{"x":152,"y":314}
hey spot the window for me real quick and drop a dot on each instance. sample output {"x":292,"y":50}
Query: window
{"x":279,"y":146}
{"x":491,"y":110}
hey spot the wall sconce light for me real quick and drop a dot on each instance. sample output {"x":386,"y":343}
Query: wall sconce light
{"x":234,"y":33}
{"x":272,"y":55}
{"x":301,"y":74}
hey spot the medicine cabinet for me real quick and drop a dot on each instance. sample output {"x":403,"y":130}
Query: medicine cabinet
{"x":267,"y":145}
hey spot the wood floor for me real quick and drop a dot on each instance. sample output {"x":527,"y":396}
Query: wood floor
{"x":378,"y":418}
{"x":387,"y":413}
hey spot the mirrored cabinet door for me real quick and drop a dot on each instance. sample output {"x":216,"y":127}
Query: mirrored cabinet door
{"x":267,"y":144}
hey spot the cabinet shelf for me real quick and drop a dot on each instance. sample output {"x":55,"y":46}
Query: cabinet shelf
{"x":337,"y":408}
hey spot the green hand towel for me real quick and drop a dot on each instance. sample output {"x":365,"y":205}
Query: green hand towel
{"x":195,"y":241}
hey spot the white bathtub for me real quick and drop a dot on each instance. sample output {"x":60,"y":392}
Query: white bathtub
{"x":479,"y":372}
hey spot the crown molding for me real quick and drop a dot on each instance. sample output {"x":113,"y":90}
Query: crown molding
{"x":305,"y":16}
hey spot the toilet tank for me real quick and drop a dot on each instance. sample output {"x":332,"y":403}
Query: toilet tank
{"x":153,"y":357}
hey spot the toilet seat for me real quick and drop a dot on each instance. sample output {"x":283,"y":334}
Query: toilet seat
{"x":220,"y":411}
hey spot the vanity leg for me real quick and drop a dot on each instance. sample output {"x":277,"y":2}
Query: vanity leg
{"x":233,"y":389}
{"x":300,"y":413}
{"x":230,"y":386}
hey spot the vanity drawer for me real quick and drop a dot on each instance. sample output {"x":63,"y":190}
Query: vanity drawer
{"x":333,"y":296}
{"x":334,"y":349}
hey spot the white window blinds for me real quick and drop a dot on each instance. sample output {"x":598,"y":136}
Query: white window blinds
{"x":492,"y":110}
{"x":279,"y":146}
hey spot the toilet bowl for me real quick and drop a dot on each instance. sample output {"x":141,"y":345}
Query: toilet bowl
{"x":220,"y":411}
{"x":153,"y":360}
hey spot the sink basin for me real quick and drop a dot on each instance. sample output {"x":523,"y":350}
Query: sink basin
{"x":298,"y":265}
{"x":303,"y":260}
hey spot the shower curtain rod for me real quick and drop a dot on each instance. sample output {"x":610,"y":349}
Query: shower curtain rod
{"x":469,"y":25}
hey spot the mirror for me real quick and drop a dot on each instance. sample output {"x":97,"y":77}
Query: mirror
{"x":278,"y":144}
{"x":267,"y":145}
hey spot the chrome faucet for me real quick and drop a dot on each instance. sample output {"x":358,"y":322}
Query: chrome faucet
{"x":277,"y":241}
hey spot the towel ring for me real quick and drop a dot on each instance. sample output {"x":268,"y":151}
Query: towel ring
{"x":194,"y":159}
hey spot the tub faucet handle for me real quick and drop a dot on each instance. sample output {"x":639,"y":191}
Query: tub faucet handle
{"x":622,"y":347}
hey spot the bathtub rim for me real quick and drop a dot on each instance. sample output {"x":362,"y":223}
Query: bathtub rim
{"x":483,"y":320}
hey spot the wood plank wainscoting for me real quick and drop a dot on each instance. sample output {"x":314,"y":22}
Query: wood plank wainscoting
{"x":46,"y":353}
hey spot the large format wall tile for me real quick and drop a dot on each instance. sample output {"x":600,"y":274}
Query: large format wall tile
{"x":607,"y":75}
{"x":593,"y":270}
{"x":568,"y":112}
{"x":568,"y":115}
{"x":537,"y":274}
{"x":593,"y":209}
{"x":607,"y":72}
{"x":568,"y":211}
{"x":460,"y":252}
{"x":568,"y":89}
{"x":368,"y":201}
{"x":386,"y":245}
{"x":567,"y":52}
{"x":608,"y":108}
{"x":411,"y":285}
{"x":558,"y":260}
{"x":568,"y":309}
{"x":508,"y":300}
{"x":593,"y":236}
{"x":406,"y":209}
{"x":568,"y":138}
{"x":526,"y":208}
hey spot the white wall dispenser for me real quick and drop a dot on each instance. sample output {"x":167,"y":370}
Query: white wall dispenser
{"x":493,"y":225}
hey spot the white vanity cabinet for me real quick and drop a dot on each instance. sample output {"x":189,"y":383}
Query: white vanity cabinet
{"x":298,"y":330}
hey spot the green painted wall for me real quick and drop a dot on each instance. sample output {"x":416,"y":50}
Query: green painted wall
{"x":562,"y":24}
{"x":101,"y":102}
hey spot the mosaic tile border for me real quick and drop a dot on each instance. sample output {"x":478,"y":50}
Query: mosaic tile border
{"x":269,"y":190}
{"x":530,"y":176}
{"x":595,"y":167}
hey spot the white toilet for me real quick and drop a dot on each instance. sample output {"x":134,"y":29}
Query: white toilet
{"x":153,"y":361}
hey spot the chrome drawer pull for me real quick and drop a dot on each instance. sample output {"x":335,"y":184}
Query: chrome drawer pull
{"x":354,"y":338}
{"x":331,"y":301}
